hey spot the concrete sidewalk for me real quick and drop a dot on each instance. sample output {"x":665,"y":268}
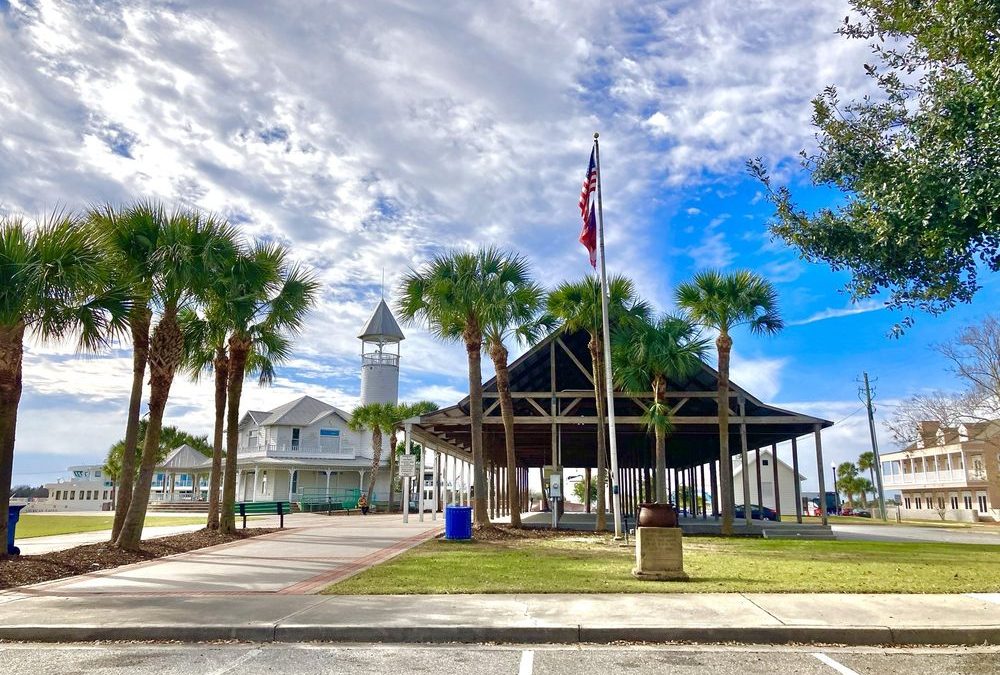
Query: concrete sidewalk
{"x":61,"y":542}
{"x":296,"y":560}
{"x":702,"y":618}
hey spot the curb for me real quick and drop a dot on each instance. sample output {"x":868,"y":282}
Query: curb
{"x":865,"y":636}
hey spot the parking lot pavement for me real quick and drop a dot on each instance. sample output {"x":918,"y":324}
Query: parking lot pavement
{"x":915,"y":533}
{"x":217,"y":659}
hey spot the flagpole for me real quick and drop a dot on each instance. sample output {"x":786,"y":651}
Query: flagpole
{"x":616,"y":499}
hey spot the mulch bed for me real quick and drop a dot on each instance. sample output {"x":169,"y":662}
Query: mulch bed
{"x":508,"y":533}
{"x":33,"y":569}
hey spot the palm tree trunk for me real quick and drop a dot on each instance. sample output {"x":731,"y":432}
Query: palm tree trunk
{"x":166,"y":351}
{"x":392,"y":471}
{"x":376,"y":460}
{"x":724,"y":345}
{"x":602,"y":462}
{"x":498,"y":353}
{"x":221,"y":366}
{"x":473,"y":350}
{"x":659,"y":387}
{"x":139,"y":324}
{"x":238,"y":351}
{"x":11,"y":366}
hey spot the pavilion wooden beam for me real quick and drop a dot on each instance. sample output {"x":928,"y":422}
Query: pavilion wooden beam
{"x":572,"y":356}
{"x":584,"y":393}
{"x":569,"y":419}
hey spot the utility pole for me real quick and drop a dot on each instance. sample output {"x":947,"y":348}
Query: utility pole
{"x":878,"y":460}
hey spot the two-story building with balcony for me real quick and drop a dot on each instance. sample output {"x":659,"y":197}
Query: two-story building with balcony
{"x":949,"y":473}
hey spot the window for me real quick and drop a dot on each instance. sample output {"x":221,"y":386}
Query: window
{"x":919,"y":503}
{"x":329,"y":440}
{"x":72,"y":494}
{"x":295,"y":438}
{"x":764,"y":462}
{"x":906,"y":501}
{"x":81,"y":495}
{"x":967,"y":499}
{"x":295,"y":482}
{"x":252,"y":438}
{"x":954,"y":502}
{"x":978,"y":468}
{"x":982,"y":503}
{"x":97,"y":474}
{"x":105,"y":496}
{"x":940,"y":502}
{"x":58,"y":494}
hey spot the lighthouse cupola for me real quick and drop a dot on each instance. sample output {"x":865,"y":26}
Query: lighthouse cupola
{"x":380,"y":340}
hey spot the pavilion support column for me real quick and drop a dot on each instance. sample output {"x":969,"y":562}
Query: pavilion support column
{"x":798,"y":483}
{"x":240,"y":493}
{"x":819,"y":466}
{"x":586,"y":489}
{"x":748,"y":515}
{"x":436,"y":478}
{"x":541,"y":481}
{"x":777,"y":487}
{"x":704,"y":500}
{"x":255,"y":474}
{"x":760,"y":489}
{"x":694,"y":492}
{"x":714,"y":478}
{"x":491,"y":489}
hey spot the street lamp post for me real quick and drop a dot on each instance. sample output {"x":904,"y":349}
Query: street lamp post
{"x":836,"y":492}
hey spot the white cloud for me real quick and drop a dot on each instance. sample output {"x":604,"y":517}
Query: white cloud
{"x":761,"y":376}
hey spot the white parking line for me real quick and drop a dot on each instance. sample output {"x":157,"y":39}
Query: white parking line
{"x":237,"y":662}
{"x":527,"y":662}
{"x":839,"y":667}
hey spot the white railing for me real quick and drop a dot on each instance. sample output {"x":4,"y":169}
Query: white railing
{"x":930,"y":477}
{"x":301,"y":451}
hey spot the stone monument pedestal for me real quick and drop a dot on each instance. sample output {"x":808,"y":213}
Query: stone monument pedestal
{"x":658,"y":555}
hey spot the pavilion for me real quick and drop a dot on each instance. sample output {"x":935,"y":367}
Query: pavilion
{"x":556,"y":423}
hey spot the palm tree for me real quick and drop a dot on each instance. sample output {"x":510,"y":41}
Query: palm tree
{"x":847,"y":480}
{"x":265,"y":303}
{"x":450,"y":295}
{"x":379,"y":418}
{"x":512,"y":311}
{"x":866,"y":462}
{"x":53,"y":284}
{"x":131,"y":236}
{"x":192,"y":250}
{"x":577,"y":305}
{"x":723,"y":302}
{"x":648,"y":354}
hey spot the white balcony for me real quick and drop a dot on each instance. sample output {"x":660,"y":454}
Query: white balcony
{"x":300,"y":451}
{"x":954,"y":477}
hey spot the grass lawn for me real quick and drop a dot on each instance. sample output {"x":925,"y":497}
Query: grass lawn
{"x":592,"y":564}
{"x":39,"y":525}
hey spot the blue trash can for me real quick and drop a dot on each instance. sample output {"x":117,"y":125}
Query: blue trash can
{"x":458,"y":522}
{"x":13,"y":513}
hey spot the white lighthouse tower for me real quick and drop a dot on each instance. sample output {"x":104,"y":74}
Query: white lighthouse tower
{"x":380,"y":340}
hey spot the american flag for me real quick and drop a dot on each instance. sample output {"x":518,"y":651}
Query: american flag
{"x":588,"y":235}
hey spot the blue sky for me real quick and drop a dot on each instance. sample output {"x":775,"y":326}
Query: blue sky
{"x":367,"y":136}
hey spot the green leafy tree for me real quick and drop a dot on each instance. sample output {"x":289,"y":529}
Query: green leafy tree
{"x":648,"y":353}
{"x":192,"y":249}
{"x":723,"y":302}
{"x":171,"y":438}
{"x":866,"y":462}
{"x":577,"y":306}
{"x":130,"y":237}
{"x":404,"y":411}
{"x":580,"y":487}
{"x":53,"y":285}
{"x":451,"y":296}
{"x":847,"y":480}
{"x":266,"y":301}
{"x":918,"y":165}
{"x":512,"y":312}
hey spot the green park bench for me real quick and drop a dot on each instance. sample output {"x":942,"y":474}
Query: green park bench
{"x":339,"y":500}
{"x":244,"y":509}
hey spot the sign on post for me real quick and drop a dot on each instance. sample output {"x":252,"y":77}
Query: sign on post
{"x":407,"y":466}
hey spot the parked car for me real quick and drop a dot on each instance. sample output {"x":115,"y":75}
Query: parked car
{"x":862,"y":513}
{"x":757,"y":513}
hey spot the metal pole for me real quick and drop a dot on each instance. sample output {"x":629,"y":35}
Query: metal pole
{"x":878,"y":460}
{"x":836,"y":492}
{"x":798,"y":482}
{"x":616,"y":499}
{"x":821,"y":473}
{"x":437,"y":481}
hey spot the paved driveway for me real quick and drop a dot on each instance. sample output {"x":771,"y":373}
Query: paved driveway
{"x":298,"y":560}
{"x":913,"y":533}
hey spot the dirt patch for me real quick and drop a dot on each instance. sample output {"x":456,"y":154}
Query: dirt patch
{"x":33,"y":569}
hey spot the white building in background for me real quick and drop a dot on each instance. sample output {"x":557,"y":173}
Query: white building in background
{"x":88,"y":489}
{"x":950,"y":473}
{"x":786,"y":481}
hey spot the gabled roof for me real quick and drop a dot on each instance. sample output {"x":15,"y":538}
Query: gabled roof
{"x":382,"y":326}
{"x":301,"y":412}
{"x":738,"y":464}
{"x":184,"y":457}
{"x":258,"y":416}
